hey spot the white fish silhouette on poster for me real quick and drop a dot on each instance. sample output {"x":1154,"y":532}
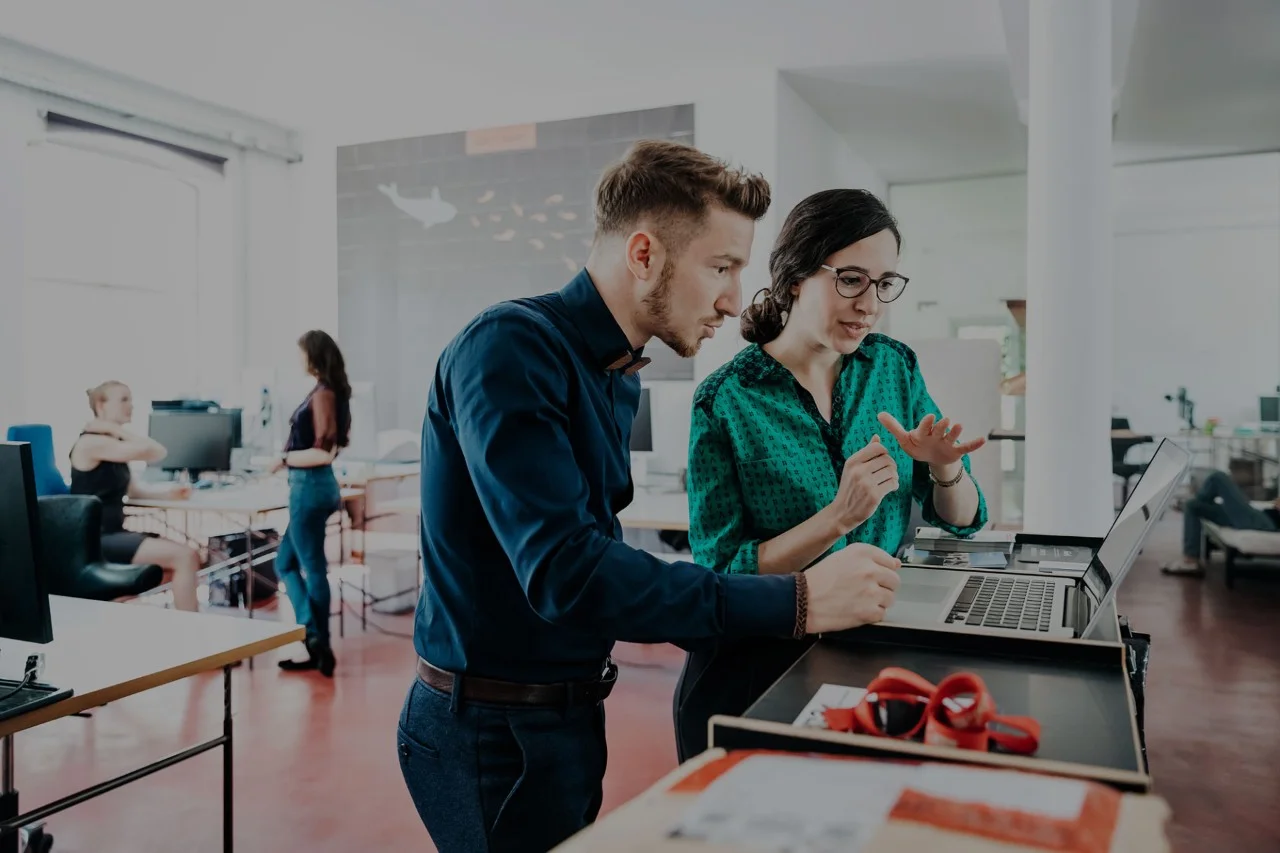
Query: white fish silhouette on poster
{"x":429,"y":211}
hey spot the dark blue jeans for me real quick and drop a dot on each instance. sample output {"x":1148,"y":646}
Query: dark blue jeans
{"x":496,"y":778}
{"x":301,"y":563}
{"x":1219,"y":500}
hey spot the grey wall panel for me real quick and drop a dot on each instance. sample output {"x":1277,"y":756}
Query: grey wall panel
{"x":429,"y":236}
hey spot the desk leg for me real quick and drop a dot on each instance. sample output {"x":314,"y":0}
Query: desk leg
{"x":228,"y":840}
{"x":8,"y":796}
{"x":249,"y":584}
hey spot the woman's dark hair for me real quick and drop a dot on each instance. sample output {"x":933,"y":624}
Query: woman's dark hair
{"x":325,"y":362}
{"x":816,"y":228}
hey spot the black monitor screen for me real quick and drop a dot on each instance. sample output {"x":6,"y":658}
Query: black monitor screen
{"x":24,"y":600}
{"x":642,"y":427}
{"x":195,"y":441}
{"x":1269,"y":409}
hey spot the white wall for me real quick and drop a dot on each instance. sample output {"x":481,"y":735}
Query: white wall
{"x":1197,"y":277}
{"x":216,"y":342}
{"x":812,"y":156}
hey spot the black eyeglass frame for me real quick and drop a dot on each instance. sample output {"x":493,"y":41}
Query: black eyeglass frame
{"x":870,"y":281}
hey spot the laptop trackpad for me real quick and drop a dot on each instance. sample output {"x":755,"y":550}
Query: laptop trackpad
{"x":924,"y":593}
{"x":921,"y":603}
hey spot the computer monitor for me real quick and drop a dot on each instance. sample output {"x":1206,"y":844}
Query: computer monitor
{"x":642,"y":426}
{"x":24,"y":599}
{"x":1269,"y":409}
{"x":195,"y":441}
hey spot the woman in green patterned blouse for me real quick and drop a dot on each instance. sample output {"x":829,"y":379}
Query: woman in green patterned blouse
{"x":798,"y":446}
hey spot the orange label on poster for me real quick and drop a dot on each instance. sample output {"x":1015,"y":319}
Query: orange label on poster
{"x":512,"y":137}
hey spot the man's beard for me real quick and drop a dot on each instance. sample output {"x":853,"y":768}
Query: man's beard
{"x":658,"y":306}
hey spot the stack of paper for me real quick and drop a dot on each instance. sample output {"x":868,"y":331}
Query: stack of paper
{"x":984,"y":541}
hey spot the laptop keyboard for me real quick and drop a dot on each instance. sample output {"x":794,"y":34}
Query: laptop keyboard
{"x":1023,"y":604}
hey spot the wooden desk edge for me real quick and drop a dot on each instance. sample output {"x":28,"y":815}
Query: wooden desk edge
{"x":78,"y":702}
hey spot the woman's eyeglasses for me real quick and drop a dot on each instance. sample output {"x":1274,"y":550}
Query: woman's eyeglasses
{"x":852,"y":282}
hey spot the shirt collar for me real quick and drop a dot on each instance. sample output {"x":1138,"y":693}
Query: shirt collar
{"x":758,"y":366}
{"x":605,"y":340}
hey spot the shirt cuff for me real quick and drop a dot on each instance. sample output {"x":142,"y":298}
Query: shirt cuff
{"x":759,"y":605}
{"x":747,"y":560}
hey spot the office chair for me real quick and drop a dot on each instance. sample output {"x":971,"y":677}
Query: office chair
{"x":1120,"y":448}
{"x":71,"y":541}
{"x":40,"y":436}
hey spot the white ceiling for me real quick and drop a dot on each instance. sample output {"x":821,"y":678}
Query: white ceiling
{"x":324,"y":63}
{"x":1202,"y":78}
{"x":921,"y":88}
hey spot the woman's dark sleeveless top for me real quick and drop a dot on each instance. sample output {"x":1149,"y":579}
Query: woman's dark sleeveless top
{"x":109,"y":482}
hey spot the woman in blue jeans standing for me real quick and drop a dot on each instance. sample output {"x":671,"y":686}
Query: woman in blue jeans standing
{"x":318,"y":430}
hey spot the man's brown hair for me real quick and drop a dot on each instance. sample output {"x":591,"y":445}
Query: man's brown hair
{"x":672,"y":185}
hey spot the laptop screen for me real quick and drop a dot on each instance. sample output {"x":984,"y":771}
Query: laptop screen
{"x":1129,"y":531}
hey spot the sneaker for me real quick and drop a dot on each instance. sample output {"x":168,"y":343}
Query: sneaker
{"x":1183,"y":569}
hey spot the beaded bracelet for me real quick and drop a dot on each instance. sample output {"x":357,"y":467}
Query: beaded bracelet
{"x":802,"y":607}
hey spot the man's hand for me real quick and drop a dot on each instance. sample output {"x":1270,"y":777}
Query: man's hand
{"x":854,"y":586}
{"x":867,"y":477}
{"x":936,"y":444}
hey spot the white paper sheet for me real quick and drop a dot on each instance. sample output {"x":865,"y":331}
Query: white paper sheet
{"x":797,"y":804}
{"x":785,"y":804}
{"x":1025,"y":792}
{"x":828,"y":696}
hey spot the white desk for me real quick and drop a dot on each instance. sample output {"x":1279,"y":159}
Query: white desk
{"x":245,"y":505}
{"x":106,"y":652}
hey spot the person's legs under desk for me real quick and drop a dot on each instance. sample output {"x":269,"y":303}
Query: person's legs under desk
{"x":177,"y":558}
{"x":1218,"y":500}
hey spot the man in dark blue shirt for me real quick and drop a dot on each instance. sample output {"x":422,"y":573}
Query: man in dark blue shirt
{"x":525,"y":468}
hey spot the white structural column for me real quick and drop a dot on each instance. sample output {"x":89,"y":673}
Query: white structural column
{"x":19,"y":124}
{"x":1069,"y":269}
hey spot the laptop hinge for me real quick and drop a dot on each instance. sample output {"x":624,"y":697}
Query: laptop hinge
{"x":1077,"y":610}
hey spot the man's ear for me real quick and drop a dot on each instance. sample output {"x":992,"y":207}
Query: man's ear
{"x":645,"y":255}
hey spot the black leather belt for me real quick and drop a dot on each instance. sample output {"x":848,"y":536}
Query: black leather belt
{"x":493,"y":691}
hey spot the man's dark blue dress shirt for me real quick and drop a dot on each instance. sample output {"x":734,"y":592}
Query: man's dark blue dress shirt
{"x":525,"y":467}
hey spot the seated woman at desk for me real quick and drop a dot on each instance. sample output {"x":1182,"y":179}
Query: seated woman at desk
{"x":318,"y":429}
{"x":818,"y":435}
{"x":100,"y":467}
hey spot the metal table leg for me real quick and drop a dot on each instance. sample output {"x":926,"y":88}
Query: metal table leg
{"x":248,"y":574}
{"x":228,"y":840}
{"x":8,"y":796}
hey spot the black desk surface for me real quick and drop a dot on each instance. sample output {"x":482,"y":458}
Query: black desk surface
{"x":1083,"y":706}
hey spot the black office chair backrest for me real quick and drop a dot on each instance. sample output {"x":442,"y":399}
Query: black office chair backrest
{"x":70,"y":527}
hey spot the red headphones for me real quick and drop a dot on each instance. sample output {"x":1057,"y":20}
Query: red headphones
{"x":959,"y":712}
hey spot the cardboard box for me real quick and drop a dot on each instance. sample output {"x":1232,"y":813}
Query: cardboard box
{"x":912,"y":807}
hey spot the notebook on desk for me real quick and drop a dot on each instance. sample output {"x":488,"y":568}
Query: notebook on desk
{"x":1050,"y":606}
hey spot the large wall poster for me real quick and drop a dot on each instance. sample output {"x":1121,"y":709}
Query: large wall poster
{"x":433,"y":229}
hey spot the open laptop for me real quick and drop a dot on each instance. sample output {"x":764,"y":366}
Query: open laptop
{"x":1047,"y":606}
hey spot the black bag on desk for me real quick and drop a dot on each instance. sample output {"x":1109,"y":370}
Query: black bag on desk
{"x":232,"y":590}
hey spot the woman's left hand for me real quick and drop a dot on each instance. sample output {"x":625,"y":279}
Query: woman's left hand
{"x":933,"y":442}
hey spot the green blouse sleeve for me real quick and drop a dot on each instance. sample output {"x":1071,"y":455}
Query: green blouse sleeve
{"x":716,"y":522}
{"x":921,"y":487}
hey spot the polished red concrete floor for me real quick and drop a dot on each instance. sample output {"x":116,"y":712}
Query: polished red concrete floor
{"x":316,"y":767}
